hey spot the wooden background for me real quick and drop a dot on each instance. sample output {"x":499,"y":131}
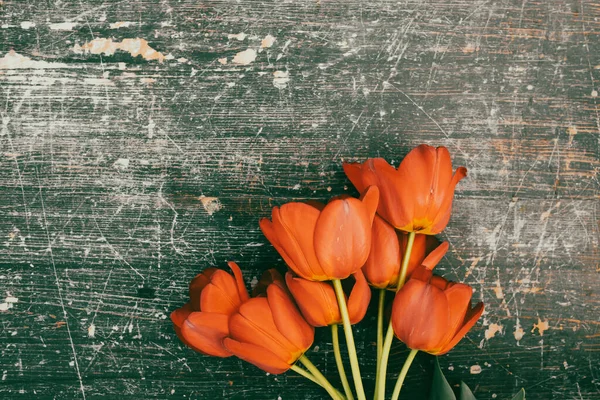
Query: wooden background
{"x":141,"y":141}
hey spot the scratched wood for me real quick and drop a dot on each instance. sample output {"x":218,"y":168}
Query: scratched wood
{"x":141,"y":141}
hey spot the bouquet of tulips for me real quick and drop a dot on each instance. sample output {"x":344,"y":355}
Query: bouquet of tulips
{"x":337,"y":252}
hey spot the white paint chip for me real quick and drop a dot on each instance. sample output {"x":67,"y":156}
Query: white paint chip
{"x":475,"y":369}
{"x":121,"y":24}
{"x":594,"y":93}
{"x":14,"y":60}
{"x":281,"y":79}
{"x":63,"y":26}
{"x":135,"y":47}
{"x":223,"y":60}
{"x":267,"y":41}
{"x":121,"y":163}
{"x":92,"y":331}
{"x":245,"y":57}
{"x":27,"y":25}
{"x":210,"y":204}
{"x":491,"y":331}
{"x":239,"y":36}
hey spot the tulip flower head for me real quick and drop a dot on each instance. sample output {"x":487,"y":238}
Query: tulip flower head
{"x":203,"y":322}
{"x":269,"y":331}
{"x":382,"y":268}
{"x":318,"y":303}
{"x":321,"y":243}
{"x":417,"y":197}
{"x":432,"y":314}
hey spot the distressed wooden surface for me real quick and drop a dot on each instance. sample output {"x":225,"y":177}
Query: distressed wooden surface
{"x":104,"y":159}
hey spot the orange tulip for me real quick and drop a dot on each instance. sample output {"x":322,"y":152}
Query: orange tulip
{"x":321,"y":243}
{"x":318,"y":303}
{"x":269,"y":332}
{"x":417,"y":197}
{"x":431,"y":314}
{"x":203,"y":322}
{"x":387,"y":250}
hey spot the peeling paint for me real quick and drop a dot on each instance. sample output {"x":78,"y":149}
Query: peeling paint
{"x":135,"y":47}
{"x":121,"y":163}
{"x":238,"y":36}
{"x":8,"y":303}
{"x":541,"y":326}
{"x":491,"y":331}
{"x":281,"y":79}
{"x":27,"y":25}
{"x":498,"y":290}
{"x":14,"y":60}
{"x":63,"y":26}
{"x":223,"y":60}
{"x":121,"y":24}
{"x":245,"y":57}
{"x":519,"y":332}
{"x":210,"y":204}
{"x":475,"y":369}
{"x":267,"y":41}
{"x":92,"y":331}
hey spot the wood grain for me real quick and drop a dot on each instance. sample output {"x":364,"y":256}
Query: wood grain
{"x":104,"y":158}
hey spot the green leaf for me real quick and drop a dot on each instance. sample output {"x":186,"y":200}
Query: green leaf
{"x":440,"y":389}
{"x":465,"y":392}
{"x":520,"y":395}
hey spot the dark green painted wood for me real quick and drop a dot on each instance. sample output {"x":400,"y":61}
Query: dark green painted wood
{"x":103,"y":159}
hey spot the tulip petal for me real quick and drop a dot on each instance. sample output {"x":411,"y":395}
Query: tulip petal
{"x":257,"y":355}
{"x":359,"y":298}
{"x":221,"y":295}
{"x":419,"y":316}
{"x":205,"y":332}
{"x":438,"y":281}
{"x":459,"y":301}
{"x":268,"y":277}
{"x":197,"y":285}
{"x":239,"y":280}
{"x":288,"y":320}
{"x":470,"y":320}
{"x":316,"y":300}
{"x":395,"y":200}
{"x":370,"y":199}
{"x":342,"y":239}
{"x":179,"y":315}
{"x":417,"y":172}
{"x":443,"y":215}
{"x":442,"y":176}
{"x":424,"y":274}
{"x":294,"y":224}
{"x":253,"y":323}
{"x":354,"y":173}
{"x":435,"y":256}
{"x":268,"y":230}
{"x":383,"y":264}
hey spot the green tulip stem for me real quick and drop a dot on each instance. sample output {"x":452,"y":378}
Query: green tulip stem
{"x":341,"y":298}
{"x":380,"y":310}
{"x":338,"y":360}
{"x":380,"y":324}
{"x":305,"y":374}
{"x":320,"y":378}
{"x":389,"y":336}
{"x":403,"y":372}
